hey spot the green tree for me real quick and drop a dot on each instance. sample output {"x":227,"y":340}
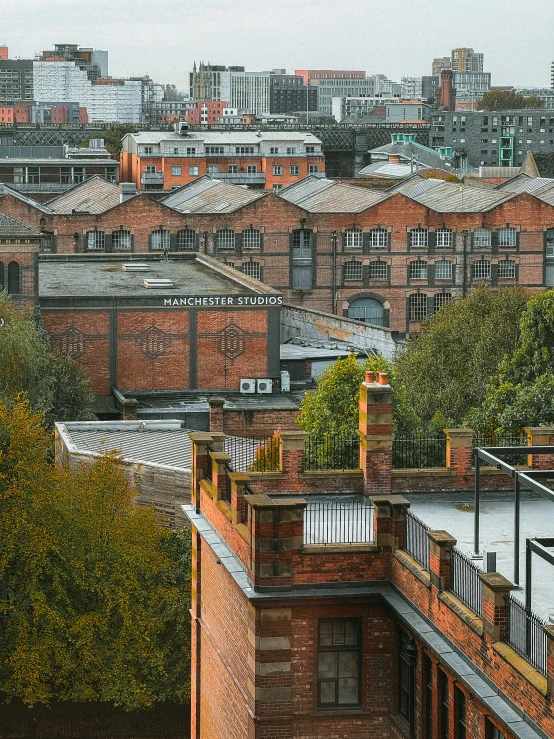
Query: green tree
{"x":444,"y":371}
{"x":93,"y":593}
{"x":172,"y":93}
{"x":508,"y":100}
{"x":113,"y":137}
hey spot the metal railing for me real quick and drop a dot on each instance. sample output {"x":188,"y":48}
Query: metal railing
{"x":418,"y":544}
{"x":338,"y":522}
{"x":332,"y":453}
{"x":418,"y":452}
{"x":526,"y":634}
{"x":465,"y":581}
{"x":227,"y":490}
{"x":518,"y":460}
{"x":253,"y":455}
{"x":209,"y":464}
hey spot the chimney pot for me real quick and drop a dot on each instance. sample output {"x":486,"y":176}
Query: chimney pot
{"x":383,"y":378}
{"x":369,"y":377}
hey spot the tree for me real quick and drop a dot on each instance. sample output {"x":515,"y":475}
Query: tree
{"x":508,"y":100}
{"x":52,"y":381}
{"x":172,"y":93}
{"x":113,"y":137}
{"x":444,"y":371}
{"x":93,"y":593}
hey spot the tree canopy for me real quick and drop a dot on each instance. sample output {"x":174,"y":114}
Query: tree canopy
{"x":508,"y":100}
{"x":113,"y":137}
{"x":52,"y":381}
{"x":93,"y":593}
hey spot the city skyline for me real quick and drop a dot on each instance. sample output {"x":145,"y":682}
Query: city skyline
{"x":217,"y":33}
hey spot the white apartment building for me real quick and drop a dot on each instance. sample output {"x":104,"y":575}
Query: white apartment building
{"x":249,"y":91}
{"x":412,"y":88}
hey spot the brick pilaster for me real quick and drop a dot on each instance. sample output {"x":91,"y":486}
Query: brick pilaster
{"x":216,"y":413}
{"x":239,"y":480}
{"x":130,"y":409}
{"x":200,"y":441}
{"x":541,"y":436}
{"x":459,"y":450}
{"x":375,"y":431}
{"x":220,"y":460}
{"x":549,"y":659}
{"x":292,"y":453}
{"x":389,"y":521}
{"x":440,"y":559}
{"x":495,"y":589}
{"x":218,"y":441}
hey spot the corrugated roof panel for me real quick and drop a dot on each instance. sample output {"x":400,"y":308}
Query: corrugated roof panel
{"x":93,"y":196}
{"x":450,"y":197}
{"x":14,"y":227}
{"x":212,"y":196}
{"x":305,"y":188}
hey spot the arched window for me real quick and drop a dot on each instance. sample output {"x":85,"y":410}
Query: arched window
{"x":13,"y":278}
{"x":378,"y":270}
{"x":417,"y":307}
{"x":186,"y":240}
{"x":443,"y":270}
{"x":378,"y":238}
{"x":251,"y":239}
{"x":95,"y":240}
{"x":507,"y":269}
{"x":252,"y":269}
{"x":417,"y":270}
{"x":418,"y":237}
{"x":481,"y":270}
{"x":368,"y":310}
{"x":482,"y":237}
{"x":353,"y":271}
{"x":159,"y":240}
{"x":440,"y":300}
{"x":445,"y":238}
{"x":353,"y":238}
{"x":507,"y":237}
{"x":121,"y":240}
{"x":225,"y":239}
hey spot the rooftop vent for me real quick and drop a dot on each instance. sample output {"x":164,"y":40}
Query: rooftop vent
{"x":135,"y":267}
{"x":157,"y":283}
{"x":221,"y":206}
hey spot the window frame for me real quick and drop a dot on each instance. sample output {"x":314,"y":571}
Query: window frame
{"x":507,"y":231}
{"x":249,"y":267}
{"x":120,"y":234}
{"x":99,"y":238}
{"x":378,"y":274}
{"x":450,"y":270}
{"x":351,"y":274}
{"x":230,"y":243}
{"x":442,"y":232}
{"x":417,"y":307}
{"x":251,"y":235}
{"x":183,"y":237}
{"x":475,"y":238}
{"x":479,"y":267}
{"x":277,"y":170}
{"x":353,"y":238}
{"x":176,"y":170}
{"x":337,"y":649}
{"x":423,"y":267}
{"x":512,"y":269}
{"x":377,"y":235}
{"x":418,"y":238}
{"x":165,"y":240}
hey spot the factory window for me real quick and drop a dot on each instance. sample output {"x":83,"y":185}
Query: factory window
{"x":353,"y":238}
{"x":482,"y":237}
{"x":417,"y":307}
{"x":294,"y":170}
{"x":176,"y":171}
{"x":277,"y":170}
{"x":339,"y":663}
{"x":418,"y":237}
{"x":378,"y":270}
{"x":13,"y":278}
{"x":225,"y":239}
{"x":378,"y":238}
{"x":95,"y":240}
{"x":507,"y":237}
{"x":507,"y":269}
{"x":121,"y":240}
{"x":417,"y":270}
{"x":186,"y":240}
{"x":251,"y":239}
{"x":445,"y":238}
{"x":252,"y":269}
{"x":443,"y":270}
{"x":481,"y":270}
{"x":353,"y":271}
{"x":441,"y":299}
{"x":159,"y":240}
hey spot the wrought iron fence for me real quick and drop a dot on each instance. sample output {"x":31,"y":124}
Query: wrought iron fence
{"x":209,"y":464}
{"x":526,"y":634}
{"x":332,"y":453}
{"x":338,"y":522}
{"x":417,"y":541}
{"x":465,"y":581}
{"x":253,"y":455}
{"x":418,"y":452}
{"x":227,"y":490}
{"x":518,"y":460}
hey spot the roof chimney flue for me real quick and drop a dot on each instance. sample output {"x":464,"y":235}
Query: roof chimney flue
{"x":127,"y":190}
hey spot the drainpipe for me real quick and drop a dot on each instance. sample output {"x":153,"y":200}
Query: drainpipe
{"x":334,"y":280}
{"x":464,"y":262}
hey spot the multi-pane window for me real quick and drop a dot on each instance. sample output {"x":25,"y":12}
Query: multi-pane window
{"x":295,"y":169}
{"x":481,"y":270}
{"x":378,"y":270}
{"x":444,"y":238}
{"x":273,"y":149}
{"x":95,"y":240}
{"x":507,"y":237}
{"x":277,"y":187}
{"x":215,"y":150}
{"x":176,"y":171}
{"x":353,"y":271}
{"x":225,"y":239}
{"x":482,"y":237}
{"x":378,"y":238}
{"x":460,"y":727}
{"x":251,"y":168}
{"x":291,"y":149}
{"x":243,"y":150}
{"x":491,"y":732}
{"x":277,"y":170}
{"x":47,"y":244}
{"x":186,"y":240}
{"x":121,"y":240}
{"x":339,"y":663}
{"x":353,"y":238}
{"x":159,"y":240}
{"x":251,"y":239}
{"x":444,"y":705}
{"x":441,"y":299}
{"x":443,"y":270}
{"x":417,"y":270}
{"x":193,"y":170}
{"x":406,"y":675}
{"x":313,"y":168}
{"x":418,"y":237}
{"x":213,"y":169}
{"x":507,"y":269}
{"x":252,"y":269}
{"x":232,"y":168}
{"x":417,"y":307}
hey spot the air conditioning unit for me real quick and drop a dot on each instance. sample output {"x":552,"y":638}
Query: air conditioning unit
{"x":248,"y":386}
{"x":265,"y":386}
{"x":285,"y":381}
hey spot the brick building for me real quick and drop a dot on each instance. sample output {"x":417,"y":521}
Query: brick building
{"x":389,"y":257}
{"x":341,"y":617}
{"x":266,"y":160}
{"x":19,"y":248}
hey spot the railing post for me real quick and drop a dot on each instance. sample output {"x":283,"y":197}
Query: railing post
{"x":494,"y":607}
{"x":541,"y":436}
{"x":549,"y":631}
{"x":216,"y":413}
{"x":292,"y":453}
{"x":459,"y":446}
{"x":375,"y":432}
{"x":239,"y":480}
{"x":200,"y":441}
{"x":440,"y":559}
{"x":220,"y":460}
{"x":389,"y":521}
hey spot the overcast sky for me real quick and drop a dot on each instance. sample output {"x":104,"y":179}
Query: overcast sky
{"x":394,"y":37}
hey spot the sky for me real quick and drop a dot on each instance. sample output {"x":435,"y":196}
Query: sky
{"x":393,"y":37}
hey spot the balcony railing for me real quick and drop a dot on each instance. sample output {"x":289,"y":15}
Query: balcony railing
{"x":152,"y":178}
{"x":338,"y":522}
{"x":526,"y":634}
{"x":417,"y":542}
{"x":240,"y":178}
